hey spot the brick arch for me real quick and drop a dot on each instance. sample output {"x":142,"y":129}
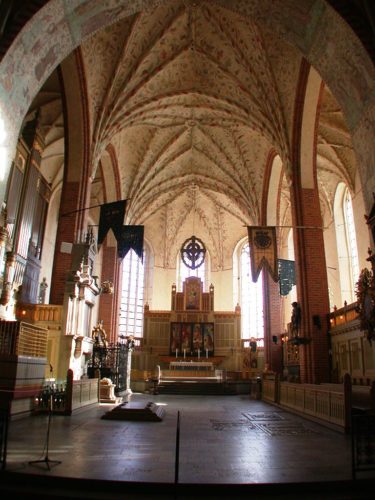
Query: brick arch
{"x":325,"y":40}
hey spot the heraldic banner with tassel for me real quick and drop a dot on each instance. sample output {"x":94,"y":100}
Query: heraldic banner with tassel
{"x":263,"y":250}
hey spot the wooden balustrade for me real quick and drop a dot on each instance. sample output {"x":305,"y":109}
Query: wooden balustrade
{"x":39,"y":312}
{"x":84,"y":393}
{"x":315,"y":401}
{"x":343,"y":315}
{"x":328,"y":403}
{"x":68,"y":396}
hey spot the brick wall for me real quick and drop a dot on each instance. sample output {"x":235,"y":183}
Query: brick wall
{"x":272,"y":351}
{"x":109,"y":306}
{"x":66,"y":232}
{"x":312,"y":287}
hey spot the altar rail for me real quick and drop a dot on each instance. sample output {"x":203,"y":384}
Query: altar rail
{"x":165,"y":374}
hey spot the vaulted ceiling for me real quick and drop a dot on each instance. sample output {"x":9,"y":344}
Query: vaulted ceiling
{"x":194,"y":100}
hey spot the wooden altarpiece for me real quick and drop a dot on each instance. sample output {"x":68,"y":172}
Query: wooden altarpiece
{"x":191,"y":324}
{"x":192,"y":332}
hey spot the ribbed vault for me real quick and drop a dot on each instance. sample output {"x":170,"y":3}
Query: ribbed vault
{"x":191,"y":98}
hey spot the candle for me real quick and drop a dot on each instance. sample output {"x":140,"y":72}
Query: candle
{"x":176,"y":353}
{"x":184,"y":353}
{"x":207,"y":353}
{"x":199,"y":353}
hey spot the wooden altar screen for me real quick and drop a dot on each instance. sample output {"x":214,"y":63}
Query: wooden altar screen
{"x":192,"y":324}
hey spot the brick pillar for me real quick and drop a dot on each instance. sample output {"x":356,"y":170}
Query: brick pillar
{"x":312,"y":284}
{"x":272,"y":320}
{"x":66,"y":234}
{"x":76,"y":190}
{"x":109,"y":306}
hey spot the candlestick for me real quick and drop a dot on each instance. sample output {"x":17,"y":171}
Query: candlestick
{"x":199,"y":353}
{"x":184,"y":353}
{"x":176,"y":353}
{"x":207,"y":353}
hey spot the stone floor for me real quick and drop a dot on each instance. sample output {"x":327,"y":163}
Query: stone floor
{"x":224,"y":440}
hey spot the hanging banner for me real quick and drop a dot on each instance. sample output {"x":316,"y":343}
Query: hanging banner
{"x":130,"y":237}
{"x":287,"y":275}
{"x":111,"y":217}
{"x":263,"y":250}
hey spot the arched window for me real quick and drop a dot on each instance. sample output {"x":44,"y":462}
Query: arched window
{"x":250,"y":298}
{"x":351,"y":236}
{"x":346,"y":243}
{"x":132,"y":296}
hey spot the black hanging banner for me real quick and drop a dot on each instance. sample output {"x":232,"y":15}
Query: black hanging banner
{"x":111,"y":217}
{"x":130,"y":237}
{"x":287,"y":275}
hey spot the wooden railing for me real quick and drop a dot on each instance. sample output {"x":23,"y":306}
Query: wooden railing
{"x":316,"y":401}
{"x":67,"y":396}
{"x":191,"y":373}
{"x":270,"y":388}
{"x":326,"y":402}
{"x":39,"y":312}
{"x":343,"y":315}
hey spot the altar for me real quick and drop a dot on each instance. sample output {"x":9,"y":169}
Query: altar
{"x":192,"y":335}
{"x":191,"y":365}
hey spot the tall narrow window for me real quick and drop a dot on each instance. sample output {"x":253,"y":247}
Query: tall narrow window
{"x":131,"y":310}
{"x":351,"y":237}
{"x":347,"y":252}
{"x":251,"y":299}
